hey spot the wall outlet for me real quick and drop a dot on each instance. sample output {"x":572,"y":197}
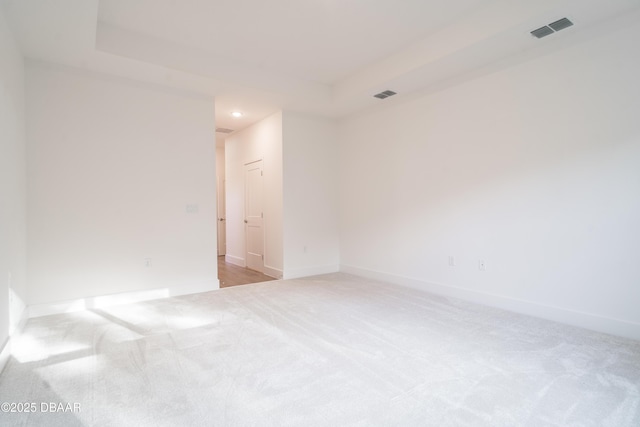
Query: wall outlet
{"x":452,"y":261}
{"x":147,"y":262}
{"x":192,"y":208}
{"x":482,"y":266}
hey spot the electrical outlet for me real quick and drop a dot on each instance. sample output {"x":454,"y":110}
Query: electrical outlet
{"x":147,"y":262}
{"x":452,"y":261}
{"x":482,"y":266}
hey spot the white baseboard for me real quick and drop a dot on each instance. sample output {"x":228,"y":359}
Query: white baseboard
{"x":194,"y":288}
{"x":581,"y":319}
{"x":79,"y":304}
{"x":273,"y":272}
{"x":5,"y":353}
{"x":310,"y":271}
{"x":276,"y":273}
{"x":235,"y":260}
{"x":38,"y":310}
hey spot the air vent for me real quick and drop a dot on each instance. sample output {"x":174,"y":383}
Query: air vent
{"x":542,"y":32}
{"x":547,"y":30}
{"x":385,"y":94}
{"x":224,"y":130}
{"x":561,"y":24}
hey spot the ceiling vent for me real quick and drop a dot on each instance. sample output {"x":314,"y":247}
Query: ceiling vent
{"x":224,"y":130}
{"x":561,"y":24}
{"x":385,"y":94}
{"x":542,"y":32}
{"x":547,"y":30}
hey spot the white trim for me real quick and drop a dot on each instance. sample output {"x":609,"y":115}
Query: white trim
{"x":581,"y":319}
{"x":235,"y":260}
{"x":310,"y":271}
{"x":69,"y":306}
{"x":272,"y":272}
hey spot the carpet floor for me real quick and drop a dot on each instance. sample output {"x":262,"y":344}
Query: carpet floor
{"x":332,"y":350}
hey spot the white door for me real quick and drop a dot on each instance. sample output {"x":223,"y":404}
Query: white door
{"x":254,"y":233}
{"x":222,"y":226}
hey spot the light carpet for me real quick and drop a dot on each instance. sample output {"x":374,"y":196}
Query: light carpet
{"x":332,"y":350}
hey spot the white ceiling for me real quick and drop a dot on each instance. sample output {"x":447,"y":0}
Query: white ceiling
{"x":317,"y":40}
{"x":319,"y":56}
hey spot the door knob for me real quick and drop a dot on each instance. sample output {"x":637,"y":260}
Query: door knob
{"x":220,"y":219}
{"x":245,"y":221}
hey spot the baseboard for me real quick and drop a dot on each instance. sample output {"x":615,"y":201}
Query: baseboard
{"x":79,"y":304}
{"x":310,"y":271}
{"x":235,"y":260}
{"x":5,"y":353}
{"x":195,"y":287}
{"x":276,"y":273}
{"x":272,"y":272}
{"x":581,"y":319}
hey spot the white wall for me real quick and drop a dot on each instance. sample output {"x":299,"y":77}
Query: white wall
{"x":263,"y":140}
{"x":12,"y":186}
{"x":311,"y":244}
{"x":113,"y":165}
{"x":534,"y":169}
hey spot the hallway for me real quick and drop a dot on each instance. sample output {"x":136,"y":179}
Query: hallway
{"x":233,"y":275}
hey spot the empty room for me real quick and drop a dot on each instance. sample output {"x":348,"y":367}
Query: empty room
{"x":320,"y":213}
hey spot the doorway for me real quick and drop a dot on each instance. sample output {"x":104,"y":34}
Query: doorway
{"x":251,"y":192}
{"x":234,"y":275}
{"x":254,"y":216}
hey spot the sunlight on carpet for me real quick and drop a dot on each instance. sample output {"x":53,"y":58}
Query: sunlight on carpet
{"x":332,"y":350}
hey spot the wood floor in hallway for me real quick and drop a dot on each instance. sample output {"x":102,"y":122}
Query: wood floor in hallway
{"x":232,"y":275}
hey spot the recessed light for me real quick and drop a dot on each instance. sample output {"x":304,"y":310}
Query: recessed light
{"x":237,"y":114}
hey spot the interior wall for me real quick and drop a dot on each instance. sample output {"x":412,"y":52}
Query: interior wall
{"x":311,"y":243}
{"x":121,"y":193}
{"x":262,"y":140}
{"x":12,"y":185}
{"x":532,"y":169}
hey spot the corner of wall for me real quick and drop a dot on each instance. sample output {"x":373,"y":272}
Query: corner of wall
{"x":5,"y":351}
{"x":13,"y":190}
